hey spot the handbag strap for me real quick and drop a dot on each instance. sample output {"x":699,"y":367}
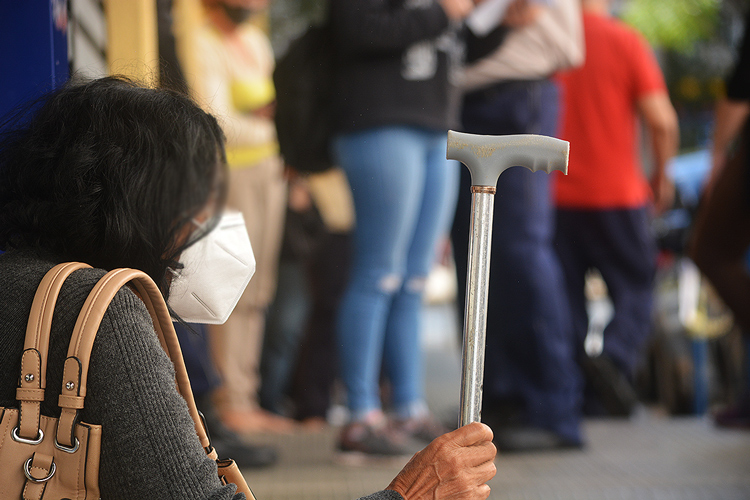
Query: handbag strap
{"x":33,"y":378}
{"x":79,"y":352}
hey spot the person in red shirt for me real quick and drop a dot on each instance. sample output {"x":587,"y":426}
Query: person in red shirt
{"x":604,"y":204}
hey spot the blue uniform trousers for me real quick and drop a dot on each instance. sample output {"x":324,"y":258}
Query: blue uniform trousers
{"x":530,"y":355}
{"x":619,"y":243}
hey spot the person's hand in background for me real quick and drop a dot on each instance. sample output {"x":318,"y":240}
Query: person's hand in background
{"x":522,"y":13}
{"x":456,"y":10}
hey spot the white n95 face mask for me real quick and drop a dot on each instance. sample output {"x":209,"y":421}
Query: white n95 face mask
{"x":217,"y":269}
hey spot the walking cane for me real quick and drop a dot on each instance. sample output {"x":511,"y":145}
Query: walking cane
{"x":486,"y":157}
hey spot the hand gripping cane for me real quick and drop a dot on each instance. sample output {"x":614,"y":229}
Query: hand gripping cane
{"x":486,"y":157}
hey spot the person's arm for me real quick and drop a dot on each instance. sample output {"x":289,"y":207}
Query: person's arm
{"x":372,"y":26}
{"x":731,"y":111}
{"x":721,"y":237}
{"x":522,"y":13}
{"x":457,"y":10}
{"x":728,"y":119}
{"x":660,"y":118}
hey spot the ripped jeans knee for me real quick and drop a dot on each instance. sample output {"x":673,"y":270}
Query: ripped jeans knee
{"x":392,"y":283}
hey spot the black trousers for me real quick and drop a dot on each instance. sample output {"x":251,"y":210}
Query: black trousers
{"x":620,"y":245}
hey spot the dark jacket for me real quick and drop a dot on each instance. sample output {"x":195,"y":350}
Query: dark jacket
{"x":392,"y":64}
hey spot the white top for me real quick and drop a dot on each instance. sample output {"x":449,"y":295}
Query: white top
{"x":553,"y":42}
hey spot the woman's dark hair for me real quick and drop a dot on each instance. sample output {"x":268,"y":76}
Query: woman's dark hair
{"x":109,"y":173}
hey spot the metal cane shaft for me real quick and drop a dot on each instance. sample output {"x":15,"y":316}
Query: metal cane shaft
{"x":487,"y":157}
{"x":475,"y":317}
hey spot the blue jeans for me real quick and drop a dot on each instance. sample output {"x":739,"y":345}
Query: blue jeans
{"x":404,"y":193}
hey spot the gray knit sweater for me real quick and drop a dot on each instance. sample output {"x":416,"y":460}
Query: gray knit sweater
{"x":149,"y":446}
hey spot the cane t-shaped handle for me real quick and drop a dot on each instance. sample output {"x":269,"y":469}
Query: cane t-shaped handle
{"x":486,"y":157}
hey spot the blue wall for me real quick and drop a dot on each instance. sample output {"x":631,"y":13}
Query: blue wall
{"x":33,"y":49}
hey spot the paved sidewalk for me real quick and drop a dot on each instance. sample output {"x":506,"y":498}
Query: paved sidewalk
{"x":647,"y":457}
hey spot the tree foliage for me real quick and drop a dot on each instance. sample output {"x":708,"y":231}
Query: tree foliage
{"x":673,"y":24}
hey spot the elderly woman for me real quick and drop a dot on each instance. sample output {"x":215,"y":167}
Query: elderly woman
{"x":115,"y":175}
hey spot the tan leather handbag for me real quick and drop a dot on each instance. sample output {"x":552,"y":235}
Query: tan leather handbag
{"x":44,"y":457}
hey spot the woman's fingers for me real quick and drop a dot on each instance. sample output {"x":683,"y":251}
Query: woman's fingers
{"x":457,"y":465}
{"x":470,"y":434}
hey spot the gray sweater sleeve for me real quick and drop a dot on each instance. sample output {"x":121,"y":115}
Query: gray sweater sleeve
{"x":149,"y":445}
{"x":384,"y":495}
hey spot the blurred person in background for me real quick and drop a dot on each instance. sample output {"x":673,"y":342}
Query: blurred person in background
{"x":605,"y":204}
{"x":732,"y":110}
{"x":290,"y":307}
{"x":327,"y":270}
{"x":531,"y":383}
{"x":721,"y":236}
{"x":299,"y":363}
{"x":392,"y":108}
{"x":233,"y":79}
{"x":204,"y":381}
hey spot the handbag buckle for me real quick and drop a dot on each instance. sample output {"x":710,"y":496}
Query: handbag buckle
{"x":64,"y":448}
{"x":27,"y":471}
{"x":16,"y":437}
